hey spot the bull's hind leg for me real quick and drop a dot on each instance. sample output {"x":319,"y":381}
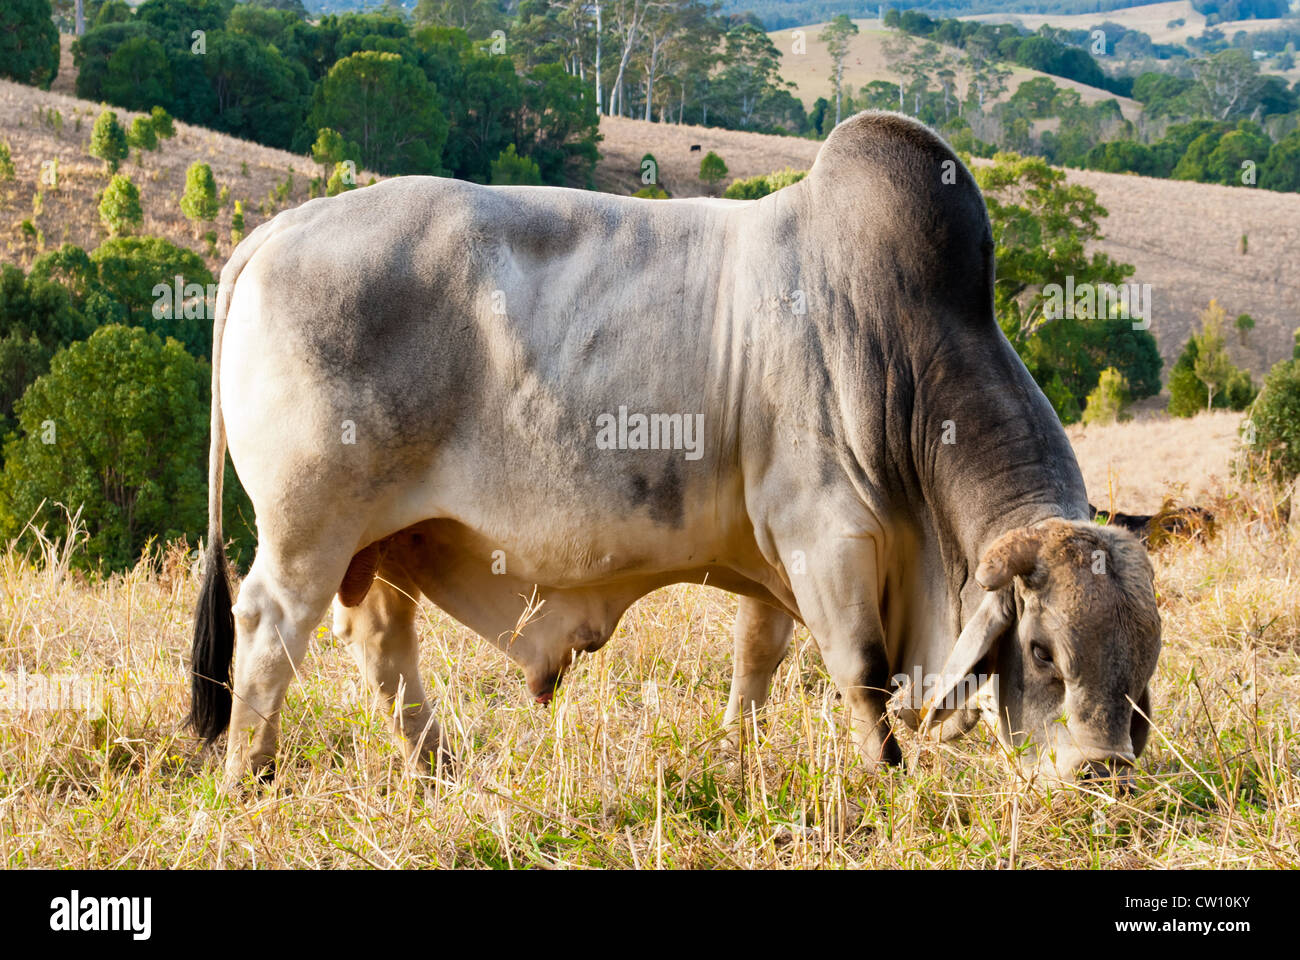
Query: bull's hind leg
{"x":761,"y":637}
{"x":381,"y":636}
{"x":282,"y":600}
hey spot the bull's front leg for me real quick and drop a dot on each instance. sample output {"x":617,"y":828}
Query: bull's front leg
{"x":835,"y":578}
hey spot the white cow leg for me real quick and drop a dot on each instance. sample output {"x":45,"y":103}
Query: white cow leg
{"x":381,"y":636}
{"x":272,"y":625}
{"x":761,"y":637}
{"x":838,"y":599}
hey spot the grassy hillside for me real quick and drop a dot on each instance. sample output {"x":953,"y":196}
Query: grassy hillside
{"x":624,"y":769}
{"x":69,"y":213}
{"x":1153,"y":19}
{"x":1182,"y":238}
{"x":811,"y":71}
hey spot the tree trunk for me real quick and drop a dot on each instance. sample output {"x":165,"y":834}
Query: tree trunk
{"x":81,"y":17}
{"x":839,"y":89}
{"x":650,"y":78}
{"x":598,"y":32}
{"x":629,"y":41}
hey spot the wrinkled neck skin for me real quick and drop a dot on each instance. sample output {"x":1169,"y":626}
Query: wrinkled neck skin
{"x":945,"y":432}
{"x":1009,"y":463}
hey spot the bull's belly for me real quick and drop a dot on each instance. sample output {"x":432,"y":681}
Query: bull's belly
{"x":568,"y":545}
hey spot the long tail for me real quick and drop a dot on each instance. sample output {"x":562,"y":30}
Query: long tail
{"x":214,"y":623}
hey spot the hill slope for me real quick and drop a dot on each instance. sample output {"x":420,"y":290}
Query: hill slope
{"x":866,"y":61}
{"x":69,"y":213}
{"x":1153,"y":19}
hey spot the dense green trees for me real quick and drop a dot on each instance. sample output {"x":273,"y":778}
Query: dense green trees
{"x":117,"y":428}
{"x":430,"y":100}
{"x":104,"y":417}
{"x":131,"y":269}
{"x":257,"y":93}
{"x":29,"y":42}
{"x":37,"y":317}
{"x":1042,"y":229}
{"x":1281,"y":169}
{"x":387,"y":107}
{"x":68,"y":293}
{"x":1208,"y":151}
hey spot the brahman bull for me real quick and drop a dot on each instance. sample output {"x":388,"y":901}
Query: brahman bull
{"x":425,"y":387}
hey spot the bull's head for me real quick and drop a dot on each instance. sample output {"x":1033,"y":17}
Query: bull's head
{"x":1070,"y":628}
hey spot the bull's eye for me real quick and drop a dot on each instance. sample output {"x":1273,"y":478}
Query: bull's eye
{"x":1042,"y":656}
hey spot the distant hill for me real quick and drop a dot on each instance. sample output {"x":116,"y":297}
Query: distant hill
{"x":1173,"y":21}
{"x":780,"y":14}
{"x":811,"y":71}
{"x":1159,"y":21}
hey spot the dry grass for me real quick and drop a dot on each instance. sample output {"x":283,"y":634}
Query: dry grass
{"x":746,"y":155}
{"x":1132,"y":467}
{"x":70,"y":213}
{"x":625,"y":769}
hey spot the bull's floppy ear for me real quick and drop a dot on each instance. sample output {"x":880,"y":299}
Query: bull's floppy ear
{"x":1014,"y":554}
{"x":956,"y":681}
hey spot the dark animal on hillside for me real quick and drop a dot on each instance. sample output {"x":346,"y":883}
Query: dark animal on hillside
{"x":695,"y":148}
{"x":1154,"y":529}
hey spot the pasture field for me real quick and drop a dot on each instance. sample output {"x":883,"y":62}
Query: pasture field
{"x":625,"y":768}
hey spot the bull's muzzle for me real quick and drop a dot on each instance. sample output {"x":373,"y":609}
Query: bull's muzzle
{"x":1116,"y":769}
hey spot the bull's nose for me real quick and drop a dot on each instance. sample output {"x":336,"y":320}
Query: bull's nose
{"x":1116,"y":769}
{"x":544,"y":689}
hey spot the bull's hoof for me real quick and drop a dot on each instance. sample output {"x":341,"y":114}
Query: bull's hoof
{"x":881,"y":758}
